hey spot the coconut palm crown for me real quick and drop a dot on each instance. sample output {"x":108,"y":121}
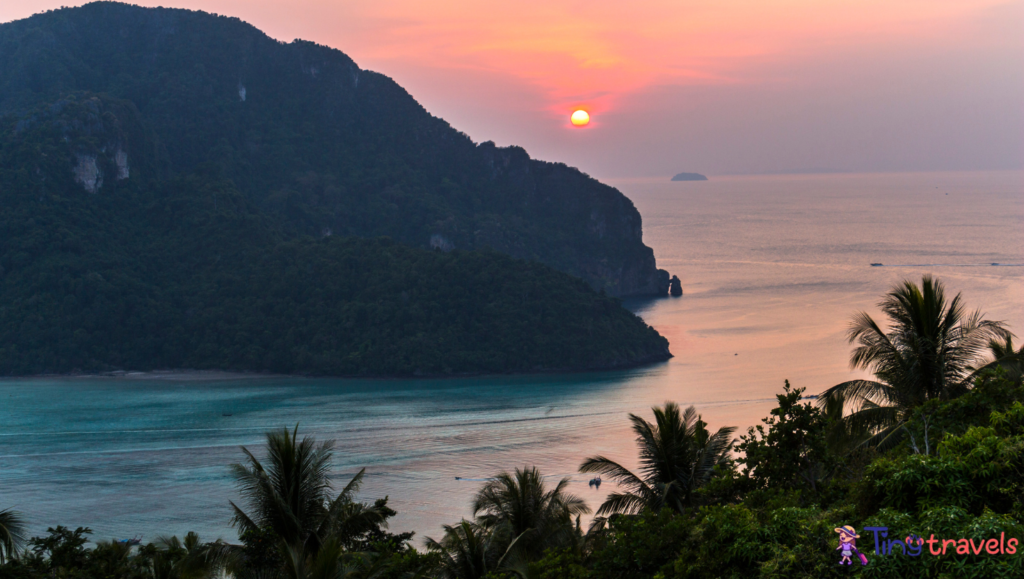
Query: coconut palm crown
{"x":467,"y":551}
{"x":173,"y":558}
{"x":931,"y":350}
{"x":518,"y":508}
{"x":291,"y":495}
{"x":677,"y":456}
{"x":1005,"y":357}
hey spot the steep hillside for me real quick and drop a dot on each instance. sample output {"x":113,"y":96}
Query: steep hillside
{"x":102,"y":268}
{"x":314,"y":144}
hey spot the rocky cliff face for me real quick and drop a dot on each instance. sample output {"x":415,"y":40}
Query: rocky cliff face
{"x":604,"y":231}
{"x":87,"y":137}
{"x":87,"y":173}
{"x":313,"y":142}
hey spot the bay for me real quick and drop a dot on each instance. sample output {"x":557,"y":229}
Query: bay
{"x":773,"y":268}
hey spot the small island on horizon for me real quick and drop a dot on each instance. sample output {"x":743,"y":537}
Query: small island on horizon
{"x":689,"y":177}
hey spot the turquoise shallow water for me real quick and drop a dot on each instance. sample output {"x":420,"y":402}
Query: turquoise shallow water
{"x":773,"y":268}
{"x":149,"y":456}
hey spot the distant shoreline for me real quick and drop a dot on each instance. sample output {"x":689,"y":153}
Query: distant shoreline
{"x":219,"y":375}
{"x":183,"y":375}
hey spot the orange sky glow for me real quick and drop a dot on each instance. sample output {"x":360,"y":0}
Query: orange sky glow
{"x":649,"y":71}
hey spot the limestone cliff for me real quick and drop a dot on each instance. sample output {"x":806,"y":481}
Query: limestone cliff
{"x":92,"y":134}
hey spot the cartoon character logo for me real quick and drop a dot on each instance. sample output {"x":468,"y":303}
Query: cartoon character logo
{"x":848,"y":546}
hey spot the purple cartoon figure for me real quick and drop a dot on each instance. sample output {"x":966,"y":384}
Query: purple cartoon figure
{"x":848,"y":546}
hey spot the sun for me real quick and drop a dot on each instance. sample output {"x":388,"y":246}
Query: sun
{"x":580,"y":118}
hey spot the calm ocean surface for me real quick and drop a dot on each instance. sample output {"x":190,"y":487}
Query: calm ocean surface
{"x":773,"y":269}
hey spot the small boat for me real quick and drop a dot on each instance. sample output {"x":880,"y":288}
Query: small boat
{"x":876,"y":265}
{"x":131,"y":542}
{"x":225,"y":414}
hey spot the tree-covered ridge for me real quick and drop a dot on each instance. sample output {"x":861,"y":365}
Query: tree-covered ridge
{"x":157,"y":269}
{"x":331,"y":306}
{"x":313,"y":143}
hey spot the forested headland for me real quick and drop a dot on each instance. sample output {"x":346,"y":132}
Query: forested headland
{"x":181,"y":191}
{"x":187,"y":273}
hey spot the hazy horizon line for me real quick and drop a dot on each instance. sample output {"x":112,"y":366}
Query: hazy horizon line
{"x":812,"y":172}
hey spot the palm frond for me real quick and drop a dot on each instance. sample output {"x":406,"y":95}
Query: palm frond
{"x":623,"y":504}
{"x":613,"y":470}
{"x":857,"y":393}
{"x":714,"y":452}
{"x":12,"y":534}
{"x":466,"y":551}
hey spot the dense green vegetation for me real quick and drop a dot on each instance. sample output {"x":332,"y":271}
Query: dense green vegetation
{"x":181,"y":191}
{"x":187,"y":273}
{"x":770,"y":510}
{"x":305,"y":138}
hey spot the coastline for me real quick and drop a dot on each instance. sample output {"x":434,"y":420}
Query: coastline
{"x":190,"y":375}
{"x":185,"y":375}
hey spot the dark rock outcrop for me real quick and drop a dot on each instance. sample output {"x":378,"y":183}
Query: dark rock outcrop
{"x":663,"y":283}
{"x":677,"y":287}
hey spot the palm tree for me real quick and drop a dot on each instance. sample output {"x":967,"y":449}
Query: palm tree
{"x":929,"y":352}
{"x":519,"y":510}
{"x":677,"y":456}
{"x":1004,"y":356}
{"x":12,"y":534}
{"x":291,"y":496}
{"x":332,"y":561}
{"x":467,"y":551}
{"x":172,"y":558}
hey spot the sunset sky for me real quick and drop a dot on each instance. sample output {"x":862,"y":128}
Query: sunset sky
{"x":713,"y":86}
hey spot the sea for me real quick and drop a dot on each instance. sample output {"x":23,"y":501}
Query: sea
{"x":773,"y":269}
